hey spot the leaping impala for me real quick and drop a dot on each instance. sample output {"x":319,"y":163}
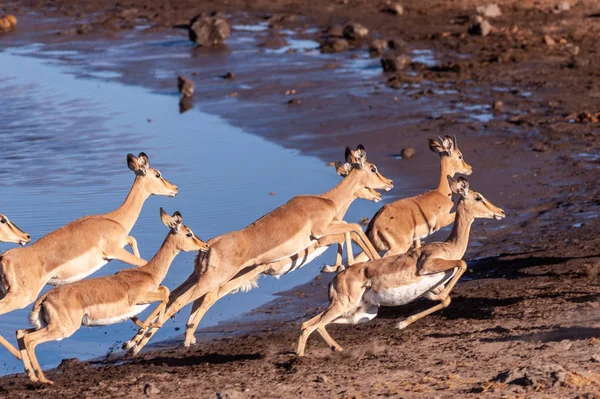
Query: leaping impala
{"x":432,"y":271}
{"x":104,"y":300}
{"x":79,"y":248}
{"x":400,"y":224}
{"x":9,"y":232}
{"x":281,"y":241}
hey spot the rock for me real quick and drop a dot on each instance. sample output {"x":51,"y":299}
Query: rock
{"x":394,"y":9}
{"x":335,"y":30}
{"x":150,"y":390}
{"x":398,"y":44}
{"x":355,"y":31}
{"x":7,"y":23}
{"x":229,"y":394}
{"x":274,"y":42}
{"x":407,"y":152}
{"x":541,"y":147}
{"x":323,"y":378}
{"x":482,"y":28}
{"x":228,"y":75}
{"x":549,"y":40}
{"x":572,"y":49}
{"x":185,"y":86}
{"x":294,"y":101}
{"x":208,"y":31}
{"x":497,"y":106}
{"x":537,"y":376}
{"x":69,"y":363}
{"x":393,"y":62}
{"x":377,"y":47}
{"x":334,"y":45}
{"x":489,"y":11}
{"x":595,"y":358}
{"x":562,"y":6}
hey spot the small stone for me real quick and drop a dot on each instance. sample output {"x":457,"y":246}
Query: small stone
{"x":394,"y":9}
{"x":334,"y":45}
{"x":377,"y":47}
{"x":294,"y":101}
{"x":596,"y":358}
{"x":398,"y":44}
{"x":185,"y":86}
{"x":482,"y":28}
{"x":274,"y":43}
{"x":7,"y":23}
{"x":549,"y":40}
{"x":322,"y":379}
{"x":228,"y":75}
{"x":572,"y":49}
{"x":497,"y":106}
{"x":208,"y":31}
{"x":489,"y":11}
{"x":336,"y":30}
{"x":562,"y":6}
{"x":541,"y":147}
{"x":407,"y":152}
{"x":150,"y":390}
{"x":392,"y":62}
{"x":355,"y":31}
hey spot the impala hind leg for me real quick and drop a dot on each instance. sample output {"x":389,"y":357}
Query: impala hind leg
{"x":318,"y":323}
{"x":7,"y":304}
{"x":438,"y":266}
{"x":30,"y":339}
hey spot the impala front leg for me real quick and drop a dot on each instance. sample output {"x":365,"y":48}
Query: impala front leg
{"x":126,"y":257}
{"x":132,"y":242}
{"x":357,"y":234}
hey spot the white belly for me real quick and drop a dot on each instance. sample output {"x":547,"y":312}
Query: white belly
{"x":132,"y":311}
{"x":300,"y":262}
{"x":78,"y":268}
{"x":407,"y":293}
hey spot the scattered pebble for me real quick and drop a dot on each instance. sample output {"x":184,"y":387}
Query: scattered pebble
{"x":7,"y":23}
{"x":355,"y":31}
{"x":489,"y":11}
{"x":394,"y":9}
{"x":562,"y":6}
{"x":398,"y":44}
{"x":482,"y":28}
{"x":572,"y":49}
{"x":294,"y":101}
{"x":541,"y":147}
{"x":322,"y":379}
{"x":208,"y":31}
{"x":549,"y":40}
{"x":393,"y":62}
{"x":290,"y":92}
{"x":497,"y":106}
{"x":407,"y":152}
{"x":229,"y":75}
{"x":185,"y":86}
{"x":334,"y":45}
{"x":150,"y":390}
{"x":377,"y":47}
{"x":336,"y":30}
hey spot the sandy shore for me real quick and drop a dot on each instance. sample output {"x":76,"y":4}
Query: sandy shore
{"x":525,"y":319}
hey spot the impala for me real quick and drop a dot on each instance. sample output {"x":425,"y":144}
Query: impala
{"x":80,"y":248}
{"x":357,"y":293}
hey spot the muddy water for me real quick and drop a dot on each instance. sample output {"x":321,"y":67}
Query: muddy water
{"x":64,"y":141}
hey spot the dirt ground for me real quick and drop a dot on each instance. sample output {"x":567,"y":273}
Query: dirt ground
{"x":524,"y":321}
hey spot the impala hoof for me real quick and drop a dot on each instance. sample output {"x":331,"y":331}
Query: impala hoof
{"x":403,"y":324}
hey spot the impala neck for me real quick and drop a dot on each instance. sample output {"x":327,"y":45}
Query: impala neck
{"x":446,"y":170}
{"x":128,"y":213}
{"x":159,"y":265}
{"x":459,"y":237}
{"x":344,"y":193}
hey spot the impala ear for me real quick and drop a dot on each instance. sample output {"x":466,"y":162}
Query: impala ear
{"x":343,"y":169}
{"x":434,"y":146}
{"x":173,"y":222}
{"x":139,"y":165}
{"x":459,"y":186}
{"x":448,"y":144}
{"x":349,"y":156}
{"x":361,"y":155}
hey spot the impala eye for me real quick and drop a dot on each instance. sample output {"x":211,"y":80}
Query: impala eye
{"x":373,"y":169}
{"x":478,"y":198}
{"x":157,"y":174}
{"x":460,"y":157}
{"x":190,"y":235}
{"x":3,"y":221}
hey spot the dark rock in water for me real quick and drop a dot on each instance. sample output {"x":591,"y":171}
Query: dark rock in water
{"x":336,"y":30}
{"x":185,"y":86}
{"x":185,"y":104}
{"x":377,"y":47}
{"x":274,"y":42}
{"x":294,"y":101}
{"x":407,"y":152}
{"x":355,"y":31}
{"x":208,"y":31}
{"x":228,"y":75}
{"x":334,"y":45}
{"x":398,"y":45}
{"x":393,"y":62}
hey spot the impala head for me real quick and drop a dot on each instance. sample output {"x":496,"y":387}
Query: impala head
{"x":152,"y":179}
{"x":185,"y":239}
{"x":450,"y":154}
{"x":473,"y":202}
{"x":9,"y":232}
{"x":367,"y":173}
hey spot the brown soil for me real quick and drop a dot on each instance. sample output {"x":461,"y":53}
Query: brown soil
{"x":525,"y":321}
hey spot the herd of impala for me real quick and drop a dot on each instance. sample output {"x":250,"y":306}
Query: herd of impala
{"x":280,"y":242}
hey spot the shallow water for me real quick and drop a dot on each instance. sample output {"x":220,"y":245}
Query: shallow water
{"x":64,"y":140}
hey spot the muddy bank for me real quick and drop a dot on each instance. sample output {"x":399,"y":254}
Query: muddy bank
{"x":524,"y":320}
